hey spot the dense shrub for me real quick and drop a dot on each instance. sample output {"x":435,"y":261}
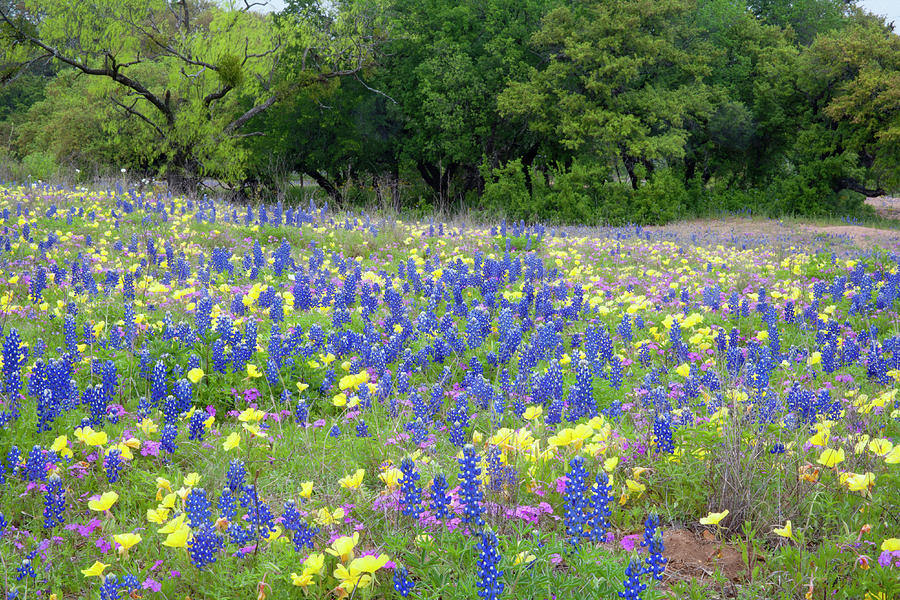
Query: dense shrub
{"x":583,"y":193}
{"x":40,"y":165}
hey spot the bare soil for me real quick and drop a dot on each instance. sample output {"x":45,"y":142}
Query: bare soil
{"x":886,"y":206}
{"x":755,"y":229}
{"x":693,"y":557}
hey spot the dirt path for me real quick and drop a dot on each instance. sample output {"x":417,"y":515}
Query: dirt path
{"x":755,"y":229}
{"x":887,"y":207}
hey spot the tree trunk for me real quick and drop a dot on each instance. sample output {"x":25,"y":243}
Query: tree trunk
{"x":181,"y":174}
{"x":527,"y":161}
{"x":326,"y":185}
{"x":690,"y":170}
{"x":848,"y":183}
{"x":630,"y":163}
{"x":438,"y":179}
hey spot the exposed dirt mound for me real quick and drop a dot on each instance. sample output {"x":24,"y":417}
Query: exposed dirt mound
{"x":693,"y":557}
{"x":887,"y":207}
{"x":757,"y":230}
{"x":865,"y":237}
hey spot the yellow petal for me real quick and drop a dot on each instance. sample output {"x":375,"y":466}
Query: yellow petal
{"x":95,"y":570}
{"x":104,"y":503}
{"x":786,"y":531}
{"x":714,"y":518}
{"x":178,"y":538}
{"x":195,"y":375}
{"x":127,"y":540}
{"x":233,"y":441}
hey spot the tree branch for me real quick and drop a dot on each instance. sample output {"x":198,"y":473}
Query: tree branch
{"x":241,"y":120}
{"x":847,"y":183}
{"x":111,"y":72}
{"x":216,"y":95}
{"x":131,"y":111}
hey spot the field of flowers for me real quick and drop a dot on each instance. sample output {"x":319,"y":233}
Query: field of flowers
{"x":201,"y":400}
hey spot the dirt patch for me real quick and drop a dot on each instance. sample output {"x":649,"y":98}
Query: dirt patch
{"x":691,"y":557}
{"x":886,"y":206}
{"x":759,"y":230}
{"x":864,"y":237}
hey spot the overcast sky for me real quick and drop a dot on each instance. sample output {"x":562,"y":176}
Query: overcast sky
{"x":891,"y":8}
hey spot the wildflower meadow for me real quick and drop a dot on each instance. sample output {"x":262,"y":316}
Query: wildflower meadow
{"x":206,"y":400}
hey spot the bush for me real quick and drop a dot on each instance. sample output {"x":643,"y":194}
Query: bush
{"x":40,"y":165}
{"x":583,"y":193}
{"x":662,"y":199}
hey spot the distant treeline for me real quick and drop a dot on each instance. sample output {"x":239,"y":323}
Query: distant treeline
{"x":586,"y":111}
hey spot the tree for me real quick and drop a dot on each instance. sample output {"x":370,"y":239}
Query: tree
{"x":805,"y":18}
{"x":446,"y":67}
{"x":192,"y":72}
{"x":851,"y":83}
{"x":752,"y":77}
{"x":623,"y":82}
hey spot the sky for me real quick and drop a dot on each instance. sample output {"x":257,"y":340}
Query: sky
{"x":891,"y":8}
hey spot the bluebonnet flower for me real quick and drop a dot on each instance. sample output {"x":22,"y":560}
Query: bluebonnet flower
{"x":457,"y":434}
{"x":227,"y":504}
{"x":633,"y":586}
{"x":197,"y":507}
{"x":258,"y":513}
{"x":196,"y":426}
{"x":94,"y":397}
{"x":236,"y":475}
{"x":183,"y":391}
{"x":167,"y":438}
{"x":662,"y":430}
{"x":362,"y":430}
{"x":576,"y":500}
{"x":601,"y":498}
{"x":616,"y":373}
{"x":12,"y":357}
{"x":440,"y":499}
{"x":470,"y":487}
{"x":54,"y":503}
{"x":204,"y":545}
{"x":158,"y":383}
{"x":113,"y":465}
{"x":301,"y":413}
{"x":13,"y":457}
{"x":131,"y":583}
{"x":202,"y":315}
{"x":554,"y":413}
{"x":402,"y":583}
{"x":26,"y":568}
{"x":3,"y":524}
{"x":418,"y":431}
{"x":489,"y":585}
{"x":624,"y":328}
{"x":219,"y":360}
{"x":293,"y":521}
{"x":499,"y":473}
{"x":71,"y":336}
{"x":335,"y":431}
{"x":110,"y":589}
{"x":36,"y":464}
{"x":656,"y":564}
{"x":410,"y":493}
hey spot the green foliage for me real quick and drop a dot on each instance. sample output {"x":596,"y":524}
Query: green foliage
{"x":230,"y":72}
{"x":805,"y":18}
{"x":582,"y":193}
{"x":590,"y":112}
{"x":40,"y":165}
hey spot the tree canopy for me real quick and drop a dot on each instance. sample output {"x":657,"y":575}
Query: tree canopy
{"x":534,"y":108}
